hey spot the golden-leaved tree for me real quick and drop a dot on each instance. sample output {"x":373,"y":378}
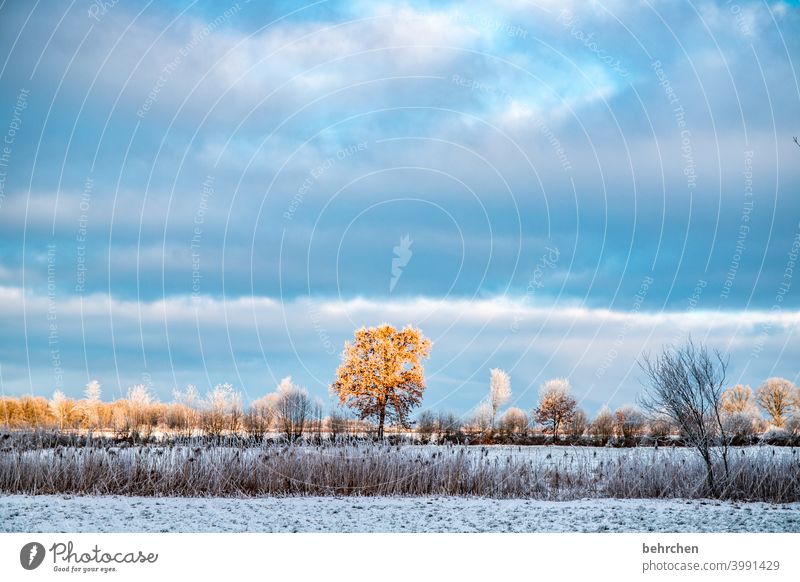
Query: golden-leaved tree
{"x":381,"y":374}
{"x":777,"y":396}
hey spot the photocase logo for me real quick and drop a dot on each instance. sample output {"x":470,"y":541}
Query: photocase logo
{"x":31,"y":555}
{"x":402,"y":255}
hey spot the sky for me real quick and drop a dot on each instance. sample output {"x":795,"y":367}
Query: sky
{"x":206,"y":192}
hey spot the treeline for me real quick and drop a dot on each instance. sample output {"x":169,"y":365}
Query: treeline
{"x":770,"y":414}
{"x":288,"y":411}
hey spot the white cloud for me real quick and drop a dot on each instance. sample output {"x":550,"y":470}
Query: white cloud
{"x":260,"y":337}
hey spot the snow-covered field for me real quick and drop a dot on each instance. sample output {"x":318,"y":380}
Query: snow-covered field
{"x":26,"y":513}
{"x":417,"y":489}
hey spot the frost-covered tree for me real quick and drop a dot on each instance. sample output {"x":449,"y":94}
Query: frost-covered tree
{"x":556,"y":406}
{"x":91,"y":404}
{"x":740,"y":413}
{"x":480,"y":421}
{"x":660,"y":425}
{"x":499,"y":391}
{"x":293,"y":408}
{"x":514,"y":421}
{"x":630,"y":422}
{"x":61,"y":408}
{"x":738,"y":399}
{"x":381,"y":374}
{"x":137,"y":412}
{"x":792,"y":426}
{"x":186,"y":413}
{"x":261,"y":415}
{"x":139,"y":401}
{"x":93,"y":391}
{"x":602,"y":427}
{"x":777,"y":397}
{"x":578,"y":425}
{"x":740,"y":425}
{"x":221,"y":410}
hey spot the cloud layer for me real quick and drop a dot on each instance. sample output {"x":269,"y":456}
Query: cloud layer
{"x":265,"y":162}
{"x":253,"y":342}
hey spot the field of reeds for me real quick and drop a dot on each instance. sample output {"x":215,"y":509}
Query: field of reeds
{"x":202,"y":467}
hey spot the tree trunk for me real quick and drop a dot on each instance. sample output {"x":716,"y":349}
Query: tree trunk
{"x":710,"y":479}
{"x":725,"y":462}
{"x":381,"y":420}
{"x":710,"y":473}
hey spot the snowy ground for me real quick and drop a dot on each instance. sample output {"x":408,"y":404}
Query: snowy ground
{"x":26,"y":513}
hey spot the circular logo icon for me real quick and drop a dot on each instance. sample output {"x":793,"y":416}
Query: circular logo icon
{"x":31,"y":555}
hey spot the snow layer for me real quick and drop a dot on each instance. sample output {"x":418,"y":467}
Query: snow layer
{"x":44,"y":513}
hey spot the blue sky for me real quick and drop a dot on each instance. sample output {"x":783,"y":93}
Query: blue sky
{"x":199,"y":192}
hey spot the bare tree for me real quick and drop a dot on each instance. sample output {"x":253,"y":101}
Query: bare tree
{"x":686,"y":384}
{"x":338,"y":422}
{"x":447,"y":425}
{"x":426,"y":426}
{"x":317,"y":418}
